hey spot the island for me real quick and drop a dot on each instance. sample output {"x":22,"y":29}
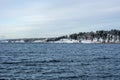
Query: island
{"x":100,"y":36}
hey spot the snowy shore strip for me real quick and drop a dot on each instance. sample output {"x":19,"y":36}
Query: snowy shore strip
{"x":67,"y":41}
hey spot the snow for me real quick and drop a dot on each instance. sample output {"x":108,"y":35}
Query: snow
{"x":95,"y":40}
{"x":39,"y":41}
{"x":67,"y":41}
{"x":4,"y":41}
{"x":86,"y":41}
{"x":21,"y":41}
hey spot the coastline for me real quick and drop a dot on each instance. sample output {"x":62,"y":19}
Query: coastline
{"x":52,"y":43}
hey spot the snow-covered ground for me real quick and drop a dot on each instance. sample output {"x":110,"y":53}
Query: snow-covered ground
{"x":95,"y":40}
{"x":84,"y":41}
{"x":39,"y":41}
{"x":4,"y":41}
{"x":67,"y":41}
{"x":87,"y":41}
{"x":21,"y":41}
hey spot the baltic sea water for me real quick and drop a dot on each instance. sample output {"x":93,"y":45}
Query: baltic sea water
{"x":59,"y":61}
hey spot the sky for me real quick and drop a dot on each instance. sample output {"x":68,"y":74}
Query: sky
{"x":51,"y":18}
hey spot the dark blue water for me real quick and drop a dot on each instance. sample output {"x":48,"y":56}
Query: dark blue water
{"x":59,"y":61}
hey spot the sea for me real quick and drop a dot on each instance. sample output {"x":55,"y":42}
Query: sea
{"x":62,"y":61}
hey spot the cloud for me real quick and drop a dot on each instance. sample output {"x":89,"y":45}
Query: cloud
{"x":51,"y":17}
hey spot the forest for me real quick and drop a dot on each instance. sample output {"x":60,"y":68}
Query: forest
{"x":104,"y":36}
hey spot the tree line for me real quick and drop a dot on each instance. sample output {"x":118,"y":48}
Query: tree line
{"x":103,"y":36}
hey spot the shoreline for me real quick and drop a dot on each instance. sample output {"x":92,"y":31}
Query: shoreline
{"x":54,"y":43}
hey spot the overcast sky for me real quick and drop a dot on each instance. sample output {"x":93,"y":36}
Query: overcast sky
{"x":49,"y":18}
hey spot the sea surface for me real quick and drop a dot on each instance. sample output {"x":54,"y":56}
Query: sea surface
{"x":59,"y":61}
